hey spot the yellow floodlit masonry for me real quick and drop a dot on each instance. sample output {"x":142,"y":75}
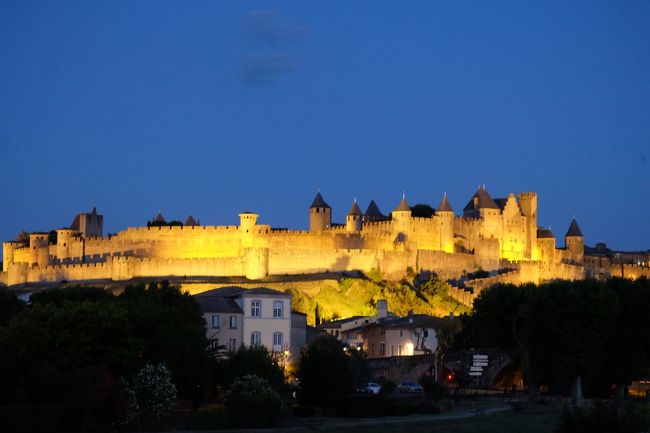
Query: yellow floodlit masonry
{"x":492,"y":234}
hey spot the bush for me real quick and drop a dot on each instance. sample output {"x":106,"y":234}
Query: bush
{"x":251,"y":402}
{"x":154,"y":389}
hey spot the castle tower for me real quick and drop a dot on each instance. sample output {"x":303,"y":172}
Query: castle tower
{"x":247,"y":223}
{"x":64,"y":240}
{"x":320,"y":214}
{"x":353,"y":219}
{"x":446,"y":214}
{"x":89,"y":224}
{"x":39,"y":248}
{"x":8,"y":254}
{"x":401,"y":216}
{"x":545,"y":247}
{"x":528,"y":205}
{"x":575,"y":242}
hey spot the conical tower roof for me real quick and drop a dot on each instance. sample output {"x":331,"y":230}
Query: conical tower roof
{"x":373,"y":210}
{"x":190,"y":221}
{"x":574,"y":229}
{"x":444,"y":205}
{"x":319,"y":202}
{"x":403,"y":206}
{"x":159,"y":219}
{"x":484,"y":200}
{"x":355,"y":210}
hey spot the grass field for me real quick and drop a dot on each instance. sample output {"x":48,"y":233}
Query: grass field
{"x":531,"y":420}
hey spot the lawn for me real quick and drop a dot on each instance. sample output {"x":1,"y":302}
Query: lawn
{"x":530,"y":420}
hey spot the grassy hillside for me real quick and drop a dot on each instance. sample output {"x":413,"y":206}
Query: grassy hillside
{"x":358,"y":296}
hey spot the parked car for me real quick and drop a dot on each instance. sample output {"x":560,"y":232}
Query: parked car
{"x":369,"y":388}
{"x":410,"y":387}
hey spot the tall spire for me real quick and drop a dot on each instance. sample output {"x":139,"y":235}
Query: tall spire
{"x":403,"y":206}
{"x":444,"y":205}
{"x":355,"y":210}
{"x":574,"y":229}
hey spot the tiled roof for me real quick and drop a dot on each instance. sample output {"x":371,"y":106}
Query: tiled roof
{"x":444,"y":205}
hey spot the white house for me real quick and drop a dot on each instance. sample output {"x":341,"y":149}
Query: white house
{"x":252,"y":317}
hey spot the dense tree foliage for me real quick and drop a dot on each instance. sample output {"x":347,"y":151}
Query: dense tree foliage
{"x":564,"y":332}
{"x":422,"y":210}
{"x":85,"y":335}
{"x":328,"y":370}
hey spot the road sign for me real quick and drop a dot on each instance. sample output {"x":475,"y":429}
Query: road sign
{"x":475,"y":368}
{"x":481,"y":357}
{"x":480,"y":363}
{"x":475,"y":373}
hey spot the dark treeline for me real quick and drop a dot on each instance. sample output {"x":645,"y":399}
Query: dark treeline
{"x":568,"y":335}
{"x":79,"y":347}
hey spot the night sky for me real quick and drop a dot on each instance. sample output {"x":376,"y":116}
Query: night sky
{"x":213,"y":108}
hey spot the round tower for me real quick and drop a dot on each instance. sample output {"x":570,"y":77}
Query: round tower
{"x":39,"y":248}
{"x":446,"y":214}
{"x":320,"y":215}
{"x":64,"y":240}
{"x":401,"y":216}
{"x":353,"y":219}
{"x":8,"y":254}
{"x":574,"y":242}
{"x":247,"y":223}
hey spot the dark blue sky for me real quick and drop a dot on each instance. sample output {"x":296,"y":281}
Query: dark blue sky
{"x":211,"y":108}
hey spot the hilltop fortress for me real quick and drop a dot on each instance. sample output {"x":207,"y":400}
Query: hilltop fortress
{"x":497,"y":235}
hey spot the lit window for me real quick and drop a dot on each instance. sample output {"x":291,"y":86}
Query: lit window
{"x":277,"y":339}
{"x":277,"y":309}
{"x":233,"y":322}
{"x":256,"y":308}
{"x":215,"y":322}
{"x":256,"y":339}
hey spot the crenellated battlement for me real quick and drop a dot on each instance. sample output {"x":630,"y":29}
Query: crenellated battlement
{"x":447,"y":244}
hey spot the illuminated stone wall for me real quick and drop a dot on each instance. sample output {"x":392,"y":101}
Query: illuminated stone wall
{"x":445,"y":244}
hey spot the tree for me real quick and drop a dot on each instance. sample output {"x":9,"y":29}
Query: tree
{"x":570,"y":326}
{"x":628,"y":352}
{"x":422,"y":210}
{"x":10,"y":305}
{"x":168,"y":327}
{"x":328,"y":370}
{"x":254,"y":360}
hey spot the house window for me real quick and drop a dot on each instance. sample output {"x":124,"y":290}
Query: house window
{"x":232,"y":344}
{"x":401,"y":333}
{"x":277,"y":340}
{"x":278,"y":306}
{"x":233,"y":322}
{"x":399,"y":350}
{"x":392,"y":350}
{"x":256,"y":308}
{"x":215,"y":322}
{"x":426,"y":333}
{"x":256,"y":339}
{"x":382,"y":349}
{"x":214,"y":344}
